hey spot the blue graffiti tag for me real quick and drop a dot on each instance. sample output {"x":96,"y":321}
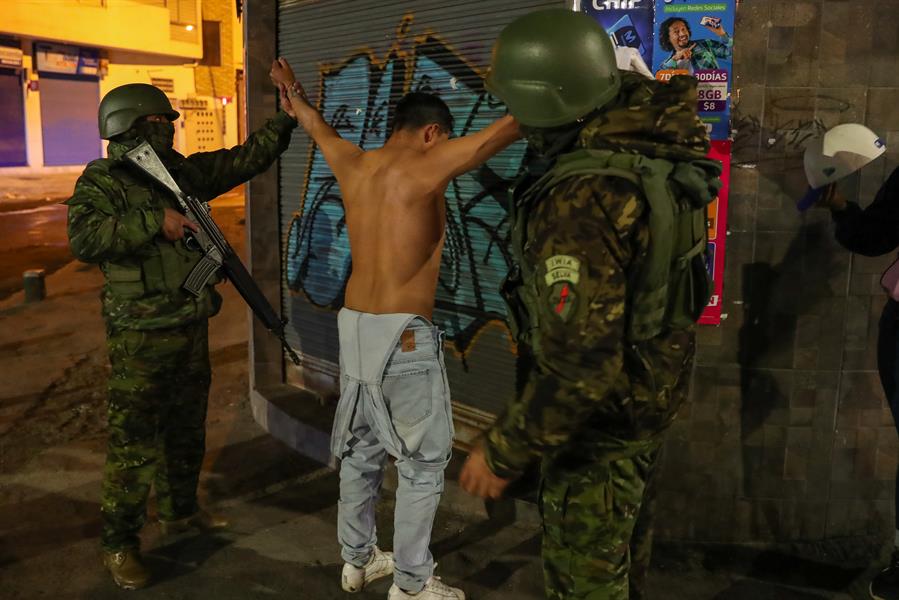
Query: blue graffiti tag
{"x":355,"y":100}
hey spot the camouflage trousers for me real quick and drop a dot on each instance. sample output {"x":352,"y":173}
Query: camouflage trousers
{"x":158,"y":392}
{"x":597,"y":526}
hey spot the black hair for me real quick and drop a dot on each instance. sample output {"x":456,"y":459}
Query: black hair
{"x":417,"y":109}
{"x":665,"y":35}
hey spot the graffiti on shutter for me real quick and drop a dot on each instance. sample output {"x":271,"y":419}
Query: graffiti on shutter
{"x":475,"y":257}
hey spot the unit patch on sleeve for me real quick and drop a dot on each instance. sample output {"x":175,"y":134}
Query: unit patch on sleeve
{"x":562,"y":300}
{"x":562,"y":268}
{"x":562,"y":275}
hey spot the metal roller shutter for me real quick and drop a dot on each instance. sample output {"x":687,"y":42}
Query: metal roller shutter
{"x":13,"y":151}
{"x":69,"y":106}
{"x":356,"y":60}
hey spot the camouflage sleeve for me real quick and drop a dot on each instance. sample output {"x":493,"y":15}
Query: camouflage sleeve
{"x":97,"y":231}
{"x":225,"y":169}
{"x":581,"y":257}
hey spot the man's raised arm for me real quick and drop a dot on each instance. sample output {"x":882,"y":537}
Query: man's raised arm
{"x":460,"y":155}
{"x":338,"y":152}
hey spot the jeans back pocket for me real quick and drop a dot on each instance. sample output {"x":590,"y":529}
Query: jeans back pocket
{"x":408,"y":396}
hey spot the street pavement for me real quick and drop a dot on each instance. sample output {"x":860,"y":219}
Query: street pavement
{"x":33,"y":225}
{"x":283,"y":542}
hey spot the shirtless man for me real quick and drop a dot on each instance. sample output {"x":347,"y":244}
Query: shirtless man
{"x":394,"y":393}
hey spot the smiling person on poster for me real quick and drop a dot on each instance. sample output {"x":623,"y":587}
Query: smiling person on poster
{"x":872,"y":231}
{"x":691,"y":55}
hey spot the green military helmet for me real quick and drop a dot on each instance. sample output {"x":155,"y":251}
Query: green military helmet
{"x":124,"y":105}
{"x":552,"y":67}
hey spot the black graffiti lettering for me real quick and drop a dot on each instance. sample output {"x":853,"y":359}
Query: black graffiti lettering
{"x":340,"y":119}
{"x":476,"y":255}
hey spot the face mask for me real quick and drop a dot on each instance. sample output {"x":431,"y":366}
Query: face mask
{"x":160,"y":135}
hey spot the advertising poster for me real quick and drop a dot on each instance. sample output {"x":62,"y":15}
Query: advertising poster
{"x":695,"y":37}
{"x":683,"y":37}
{"x":717,"y":221}
{"x":630,"y":27}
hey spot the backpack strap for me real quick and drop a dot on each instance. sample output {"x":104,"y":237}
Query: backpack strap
{"x":650,"y":293}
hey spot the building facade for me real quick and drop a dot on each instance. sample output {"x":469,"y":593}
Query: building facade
{"x":787,"y":436}
{"x":56,"y":64}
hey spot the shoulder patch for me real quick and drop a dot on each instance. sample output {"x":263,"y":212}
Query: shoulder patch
{"x":562,"y":300}
{"x":561,"y":268}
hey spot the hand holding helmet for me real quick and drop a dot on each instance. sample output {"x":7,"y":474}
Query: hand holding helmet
{"x":840,"y":152}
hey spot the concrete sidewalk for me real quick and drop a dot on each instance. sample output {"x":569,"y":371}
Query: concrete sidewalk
{"x":283,"y":543}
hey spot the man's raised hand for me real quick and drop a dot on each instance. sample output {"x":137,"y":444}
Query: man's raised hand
{"x":281,"y":73}
{"x":286,"y":104}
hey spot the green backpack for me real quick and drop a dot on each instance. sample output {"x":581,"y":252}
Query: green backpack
{"x":672,"y":287}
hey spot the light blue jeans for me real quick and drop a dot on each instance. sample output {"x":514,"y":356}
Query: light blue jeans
{"x":394,"y":401}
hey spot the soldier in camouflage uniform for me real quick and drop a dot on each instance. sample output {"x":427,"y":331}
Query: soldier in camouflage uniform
{"x":157,"y":333}
{"x":609,"y":239}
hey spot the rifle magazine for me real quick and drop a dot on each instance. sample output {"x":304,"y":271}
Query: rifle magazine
{"x":199,"y":277}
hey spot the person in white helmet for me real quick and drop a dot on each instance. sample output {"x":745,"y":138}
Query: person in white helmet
{"x":872,"y":231}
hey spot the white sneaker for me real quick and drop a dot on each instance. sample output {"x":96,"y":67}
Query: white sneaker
{"x":434,"y":590}
{"x":354,"y":579}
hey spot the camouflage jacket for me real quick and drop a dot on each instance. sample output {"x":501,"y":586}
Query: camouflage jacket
{"x":115,"y":219}
{"x":578,"y":247}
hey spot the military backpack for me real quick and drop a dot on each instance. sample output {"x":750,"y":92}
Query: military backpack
{"x":671,"y":286}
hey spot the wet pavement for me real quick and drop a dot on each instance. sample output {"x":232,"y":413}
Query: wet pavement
{"x":33,"y":236}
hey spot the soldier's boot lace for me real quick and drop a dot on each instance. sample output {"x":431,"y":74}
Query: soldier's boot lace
{"x":886,"y":585}
{"x":201,"y":520}
{"x":126,"y":568}
{"x":434,"y":590}
{"x":354,"y":579}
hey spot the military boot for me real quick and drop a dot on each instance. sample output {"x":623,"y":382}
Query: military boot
{"x":886,"y":585}
{"x":201,"y":520}
{"x":126,"y":568}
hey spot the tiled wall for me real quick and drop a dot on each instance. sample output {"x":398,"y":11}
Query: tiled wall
{"x":787,"y":435}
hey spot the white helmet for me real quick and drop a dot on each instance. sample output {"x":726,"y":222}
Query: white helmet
{"x":839,"y":152}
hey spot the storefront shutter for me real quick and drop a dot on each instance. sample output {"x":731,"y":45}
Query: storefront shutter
{"x":12,"y":126}
{"x":356,"y":60}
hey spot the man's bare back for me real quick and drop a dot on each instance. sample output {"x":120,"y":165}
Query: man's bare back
{"x":394,"y":199}
{"x":396,"y":223}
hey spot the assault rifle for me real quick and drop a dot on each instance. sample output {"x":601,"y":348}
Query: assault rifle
{"x":217,"y":252}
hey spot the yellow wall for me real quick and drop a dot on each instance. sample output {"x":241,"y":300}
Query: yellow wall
{"x":123,"y":69}
{"x":130,"y":68}
{"x":220,"y":81}
{"x":136,"y":53}
{"x":120,"y":24}
{"x":237,"y":39}
{"x":33,"y":140}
